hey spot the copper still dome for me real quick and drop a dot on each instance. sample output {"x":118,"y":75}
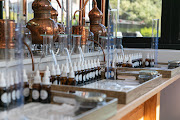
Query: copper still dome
{"x":42,"y":22}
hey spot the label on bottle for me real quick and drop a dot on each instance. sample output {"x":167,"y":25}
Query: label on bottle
{"x":84,"y":78}
{"x":13,"y":95}
{"x":18,"y":94}
{"x":90,"y":75}
{"x":26,"y":92}
{"x":55,"y":82}
{"x":96,"y":72}
{"x":147,"y":63}
{"x":35,"y":94}
{"x":112,"y":73}
{"x":4,"y":98}
{"x":76,"y":77}
{"x":108,"y":74}
{"x":140,"y":63}
{"x":9,"y":97}
{"x":43,"y":94}
{"x":80,"y":77}
{"x":152,"y":63}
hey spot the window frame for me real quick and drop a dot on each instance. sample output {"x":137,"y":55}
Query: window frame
{"x":169,"y":30}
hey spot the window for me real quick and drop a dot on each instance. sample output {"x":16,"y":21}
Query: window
{"x":135,"y":16}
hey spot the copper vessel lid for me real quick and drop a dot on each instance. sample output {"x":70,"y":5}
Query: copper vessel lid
{"x":95,"y":15}
{"x":41,"y":5}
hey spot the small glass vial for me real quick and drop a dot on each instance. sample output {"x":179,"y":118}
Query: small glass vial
{"x":152,"y":61}
{"x":45,"y":92}
{"x":17,"y":87}
{"x":76,"y":73}
{"x":129,"y":64}
{"x":9,"y":90}
{"x":64,"y":77}
{"x":13,"y":91}
{"x":83,"y":74}
{"x":147,"y":61}
{"x":93,"y":70}
{"x":3,"y":93}
{"x":99,"y":69}
{"x":90,"y":73}
{"x":36,"y":87}
{"x":26,"y":90}
{"x":86,"y":72}
{"x":113,"y":71}
{"x":53,"y":78}
{"x":71,"y":79}
{"x":58,"y":74}
{"x":79,"y":74}
{"x":124,"y":63}
{"x":96,"y":70}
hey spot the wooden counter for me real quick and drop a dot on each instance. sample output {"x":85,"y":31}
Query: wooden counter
{"x":146,"y":107}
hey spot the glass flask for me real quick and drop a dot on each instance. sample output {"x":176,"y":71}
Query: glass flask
{"x":76,"y":43}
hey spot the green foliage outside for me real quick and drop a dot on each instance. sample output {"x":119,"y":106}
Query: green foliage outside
{"x":139,"y":10}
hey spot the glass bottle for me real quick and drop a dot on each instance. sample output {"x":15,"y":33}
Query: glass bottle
{"x":71,"y":79}
{"x":79,"y":74}
{"x":99,"y":69}
{"x":3,"y":93}
{"x":26,"y":90}
{"x":152,"y":61}
{"x":86,"y":72}
{"x":53,"y":78}
{"x":124,"y":63}
{"x":93,"y":71}
{"x":90,"y":73}
{"x":75,"y":72}
{"x":36,"y":87}
{"x":83,"y":74}
{"x":45,"y":92}
{"x":17,"y":87}
{"x":129,"y":64}
{"x":147,"y":61}
{"x":96,"y":70}
{"x":64,"y":76}
{"x":13,"y":91}
{"x":58,"y":74}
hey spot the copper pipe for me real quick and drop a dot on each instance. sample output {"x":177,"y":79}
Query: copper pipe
{"x":95,"y":4}
{"x":103,"y":5}
{"x":101,"y":48}
{"x":32,"y":57}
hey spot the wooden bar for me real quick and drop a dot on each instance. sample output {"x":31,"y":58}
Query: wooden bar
{"x":150,"y":102}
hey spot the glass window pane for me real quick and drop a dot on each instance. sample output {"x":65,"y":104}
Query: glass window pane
{"x":135,"y":16}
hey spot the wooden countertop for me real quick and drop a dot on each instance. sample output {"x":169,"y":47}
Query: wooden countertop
{"x":124,"y":109}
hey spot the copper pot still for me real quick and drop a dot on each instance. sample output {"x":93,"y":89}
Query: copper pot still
{"x":96,"y":27}
{"x":42,"y":22}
